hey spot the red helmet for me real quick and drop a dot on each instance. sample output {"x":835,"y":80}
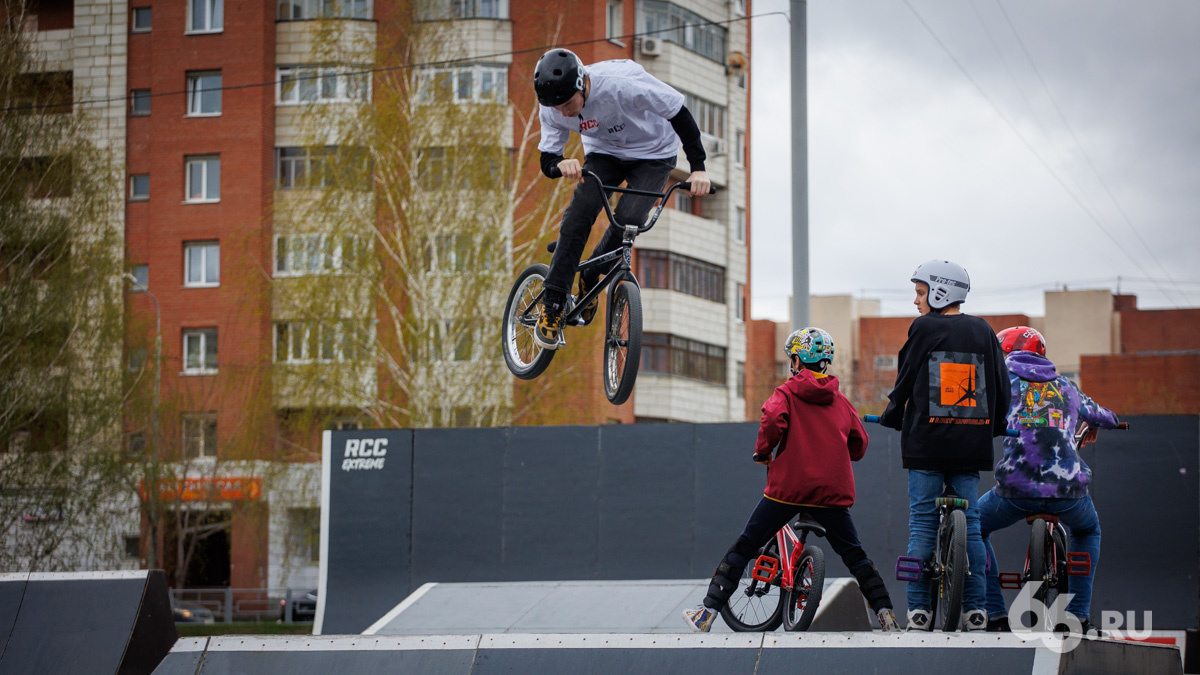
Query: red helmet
{"x":1022,"y":339}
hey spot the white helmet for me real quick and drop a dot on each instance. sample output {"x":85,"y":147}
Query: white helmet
{"x":948,"y":282}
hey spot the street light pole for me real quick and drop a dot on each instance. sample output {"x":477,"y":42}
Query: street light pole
{"x":152,"y":485}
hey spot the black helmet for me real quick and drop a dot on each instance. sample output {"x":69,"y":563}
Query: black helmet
{"x":557,"y":76}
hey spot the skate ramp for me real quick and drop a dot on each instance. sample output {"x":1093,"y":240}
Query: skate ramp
{"x":729,"y":654}
{"x":85,"y":622}
{"x":592,"y":607}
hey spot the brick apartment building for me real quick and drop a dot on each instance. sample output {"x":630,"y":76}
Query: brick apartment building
{"x":1136,"y":362}
{"x":205,"y":143}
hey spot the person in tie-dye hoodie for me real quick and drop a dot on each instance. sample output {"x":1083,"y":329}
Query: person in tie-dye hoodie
{"x":1041,"y":471}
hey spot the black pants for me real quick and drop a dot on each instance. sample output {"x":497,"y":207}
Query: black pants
{"x":840,"y":532}
{"x":586,"y":204}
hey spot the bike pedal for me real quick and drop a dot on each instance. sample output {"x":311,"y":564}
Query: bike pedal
{"x":1079,"y":563}
{"x":1011,"y":581}
{"x":908,"y":568}
{"x":766,"y":569}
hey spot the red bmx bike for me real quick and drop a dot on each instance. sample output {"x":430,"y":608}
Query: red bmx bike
{"x":783,"y":585}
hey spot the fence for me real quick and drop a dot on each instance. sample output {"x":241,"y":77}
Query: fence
{"x":246,"y":604}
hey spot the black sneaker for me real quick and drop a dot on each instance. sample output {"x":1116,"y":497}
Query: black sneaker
{"x":999,"y":625}
{"x":1086,"y":628}
{"x":549,"y":326}
{"x":588,"y":312}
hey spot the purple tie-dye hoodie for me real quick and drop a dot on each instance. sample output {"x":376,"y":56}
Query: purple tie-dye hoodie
{"x":1046,"y":408}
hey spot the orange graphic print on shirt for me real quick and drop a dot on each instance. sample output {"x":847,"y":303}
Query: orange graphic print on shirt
{"x":958,"y":384}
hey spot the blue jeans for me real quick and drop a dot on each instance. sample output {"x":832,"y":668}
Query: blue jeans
{"x":1077,"y":515}
{"x":924,"y":487}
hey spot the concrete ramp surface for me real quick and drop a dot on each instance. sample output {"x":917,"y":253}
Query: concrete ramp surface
{"x":729,"y":654}
{"x":653,"y":606}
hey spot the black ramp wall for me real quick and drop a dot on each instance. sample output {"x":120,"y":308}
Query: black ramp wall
{"x":666,"y":501}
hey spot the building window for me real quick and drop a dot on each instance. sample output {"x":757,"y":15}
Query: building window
{"x":739,"y":7}
{"x":740,"y":383}
{"x":201,"y":263}
{"x":740,"y":226}
{"x":304,"y":535}
{"x":710,"y":117}
{"x":199,"y":435}
{"x":740,"y":298}
{"x":136,"y":360}
{"x":349,"y":424}
{"x":614,"y":20}
{"x":141,"y":277}
{"x":309,"y":168}
{"x":200,"y":351}
{"x":451,"y":340}
{"x":685,"y":28}
{"x":886,"y":362}
{"x":133,"y":546}
{"x":141,"y":20}
{"x":441,"y":10}
{"x":684,"y":202}
{"x":674,"y":272}
{"x":204,"y":93}
{"x":203,"y":179}
{"x":298,"y":10}
{"x":322,"y":84}
{"x":471,"y":83}
{"x":205,"y":16}
{"x":739,"y":156}
{"x":139,"y":187}
{"x":139,"y":102}
{"x":300,"y":342}
{"x":674,"y":355}
{"x":315,"y":253}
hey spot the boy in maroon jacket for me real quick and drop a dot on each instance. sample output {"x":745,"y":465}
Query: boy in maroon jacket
{"x":815,"y":433}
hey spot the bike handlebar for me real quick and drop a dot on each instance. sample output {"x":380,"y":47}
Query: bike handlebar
{"x":875,"y":419}
{"x":686,"y":185}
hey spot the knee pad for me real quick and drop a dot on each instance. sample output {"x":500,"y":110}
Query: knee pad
{"x":741,"y":553}
{"x":724,"y":582}
{"x":872,"y":587}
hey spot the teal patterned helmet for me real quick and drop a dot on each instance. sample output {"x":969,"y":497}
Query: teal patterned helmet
{"x":810,"y":345}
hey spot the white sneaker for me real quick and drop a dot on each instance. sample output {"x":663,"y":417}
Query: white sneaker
{"x":974,"y":620}
{"x":700,"y":619}
{"x":887,"y":620}
{"x":919,"y":619}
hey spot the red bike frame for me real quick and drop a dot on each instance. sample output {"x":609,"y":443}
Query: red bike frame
{"x":768,"y":569}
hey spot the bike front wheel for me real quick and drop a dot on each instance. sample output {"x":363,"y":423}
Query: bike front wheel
{"x":524,"y":357}
{"x":622,"y":341}
{"x":800,"y":604}
{"x":755,"y":605}
{"x":954,"y":570}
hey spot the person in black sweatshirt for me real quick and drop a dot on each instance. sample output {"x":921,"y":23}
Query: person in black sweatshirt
{"x":950,"y":399}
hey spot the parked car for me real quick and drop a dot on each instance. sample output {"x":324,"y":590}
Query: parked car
{"x":188,"y":613}
{"x":304,"y":606}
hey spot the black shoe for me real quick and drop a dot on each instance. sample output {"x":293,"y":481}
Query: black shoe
{"x":588,"y":312}
{"x":999,"y":625}
{"x":1086,"y":628}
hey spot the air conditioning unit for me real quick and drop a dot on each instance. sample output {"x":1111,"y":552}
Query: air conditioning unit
{"x":651,"y":46}
{"x":712,"y":145}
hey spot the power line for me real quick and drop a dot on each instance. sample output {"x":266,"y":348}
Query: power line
{"x":1078,"y":144}
{"x":408,"y":66}
{"x":1025,"y":141}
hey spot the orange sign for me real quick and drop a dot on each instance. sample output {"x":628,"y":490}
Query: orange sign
{"x":958,"y":384}
{"x":206,"y":489}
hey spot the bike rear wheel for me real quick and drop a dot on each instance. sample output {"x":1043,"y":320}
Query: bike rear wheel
{"x":756,"y":606}
{"x":622,"y":341}
{"x":951,"y":583}
{"x":522,"y":354}
{"x":1039,"y":567}
{"x":800,"y":604}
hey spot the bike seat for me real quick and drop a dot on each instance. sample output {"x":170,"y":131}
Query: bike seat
{"x":1044,"y":516}
{"x":805,"y":522}
{"x":551,"y":246}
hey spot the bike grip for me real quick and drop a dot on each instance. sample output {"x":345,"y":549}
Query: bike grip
{"x":685,"y":185}
{"x":761,"y":458}
{"x":871,"y":418}
{"x":1122,"y":425}
{"x":1012,"y":433}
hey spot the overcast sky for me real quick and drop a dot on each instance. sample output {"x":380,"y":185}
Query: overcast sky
{"x":1072,"y":118}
